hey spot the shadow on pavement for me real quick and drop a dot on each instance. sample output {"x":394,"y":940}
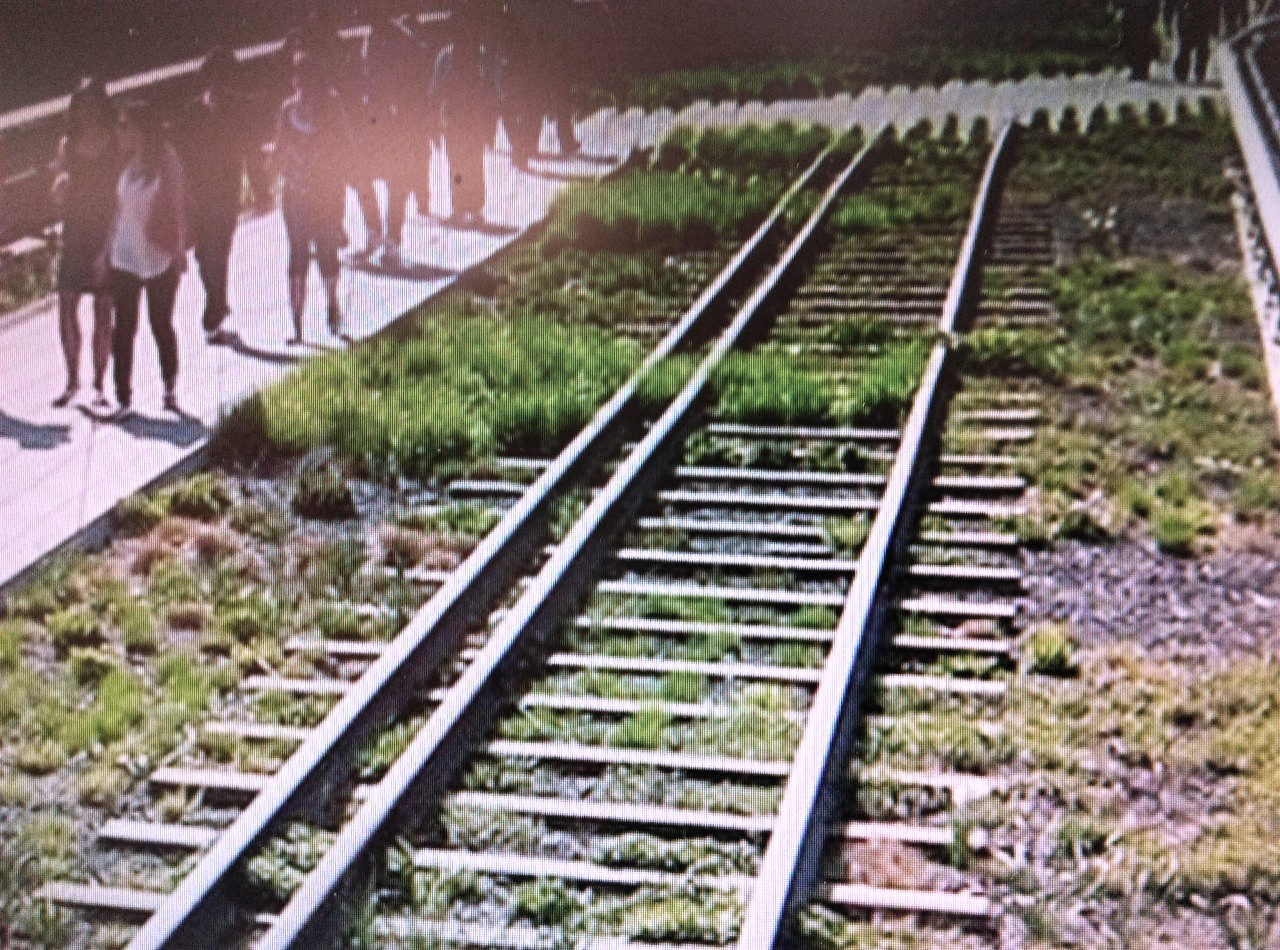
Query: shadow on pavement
{"x":407,"y":270}
{"x":552,"y":175}
{"x":182,"y":431}
{"x":30,"y":435}
{"x":589,"y":157}
{"x":484,"y":227}
{"x":274,"y":357}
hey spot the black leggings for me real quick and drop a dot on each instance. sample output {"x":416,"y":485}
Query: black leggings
{"x":126,"y":292}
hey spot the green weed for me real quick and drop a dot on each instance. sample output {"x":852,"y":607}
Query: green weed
{"x":205,"y":497}
{"x":456,"y":389}
{"x":657,"y":210}
{"x":1052,"y":651}
{"x":324,"y":494}
{"x":281,"y":864}
{"x":139,"y":514}
{"x":546,"y":903}
{"x":75,"y":627}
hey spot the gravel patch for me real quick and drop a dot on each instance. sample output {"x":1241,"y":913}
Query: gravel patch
{"x":1216,"y":608}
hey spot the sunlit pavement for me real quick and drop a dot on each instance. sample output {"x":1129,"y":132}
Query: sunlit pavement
{"x":61,"y":470}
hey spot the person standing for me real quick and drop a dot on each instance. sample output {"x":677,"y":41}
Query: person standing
{"x":464,"y":89}
{"x":1138,"y":39}
{"x":146,"y":251}
{"x":1197,"y":22}
{"x":86,"y":170}
{"x":314,"y":150}
{"x":212,"y":144}
{"x":396,"y":131}
{"x":524,"y":103}
{"x":1235,"y":16}
{"x":562,"y":31}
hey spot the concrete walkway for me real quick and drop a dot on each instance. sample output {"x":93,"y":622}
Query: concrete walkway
{"x":61,"y":471}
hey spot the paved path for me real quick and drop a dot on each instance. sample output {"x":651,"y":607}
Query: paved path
{"x":61,"y":472}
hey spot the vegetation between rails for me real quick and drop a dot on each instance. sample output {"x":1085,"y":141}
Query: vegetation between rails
{"x":775,"y":387}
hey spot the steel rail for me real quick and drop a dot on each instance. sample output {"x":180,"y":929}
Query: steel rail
{"x":792,"y":861}
{"x":313,"y":916}
{"x":1256,"y":120}
{"x":203,"y":908}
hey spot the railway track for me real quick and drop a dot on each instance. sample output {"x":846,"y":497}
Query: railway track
{"x":711,"y":687}
{"x":686,"y":722}
{"x":307,"y":776}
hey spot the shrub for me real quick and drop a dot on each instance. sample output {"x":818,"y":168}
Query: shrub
{"x":642,"y":730}
{"x":138,"y":514}
{"x":137,"y":628}
{"x":101,"y":784}
{"x":260,"y":522}
{"x":74,"y":627}
{"x":248,"y":617}
{"x":1052,"y":651}
{"x":467,"y":521}
{"x":89,"y":667}
{"x":280,"y":865}
{"x":120,"y":705}
{"x":896,"y":208}
{"x":40,"y":757}
{"x":656,"y":210}
{"x":184,"y":680}
{"x":1078,"y":524}
{"x":1175,"y":531}
{"x":546,"y":903}
{"x":1258,"y":494}
{"x":456,"y":389}
{"x":339,"y":623}
{"x":403,"y":548}
{"x":322,"y":493}
{"x":171,"y":582}
{"x":847,"y":534}
{"x":1005,"y":352}
{"x":771,"y":387}
{"x":12,"y":635}
{"x":48,"y":593}
{"x":205,"y":497}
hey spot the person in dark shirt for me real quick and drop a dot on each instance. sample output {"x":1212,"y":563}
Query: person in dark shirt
{"x":1197,"y":22}
{"x":395,"y":134}
{"x":464,"y":90}
{"x":1235,"y":15}
{"x":212,"y":141}
{"x":313,"y":151}
{"x":1138,"y":38}
{"x":84,"y":188}
{"x":541,"y":58}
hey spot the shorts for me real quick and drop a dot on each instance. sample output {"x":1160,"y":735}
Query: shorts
{"x":313,"y":227}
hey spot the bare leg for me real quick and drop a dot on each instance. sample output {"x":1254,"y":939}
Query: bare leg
{"x":102,"y":327}
{"x":297,"y":303}
{"x":69,"y":330}
{"x":335,"y":309}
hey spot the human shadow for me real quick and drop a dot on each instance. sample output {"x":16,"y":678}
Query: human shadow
{"x":590,"y":158}
{"x":552,"y":174}
{"x":273,"y":357}
{"x":183,"y":430}
{"x":489,"y":228}
{"x":31,"y":435}
{"x":403,"y":270}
